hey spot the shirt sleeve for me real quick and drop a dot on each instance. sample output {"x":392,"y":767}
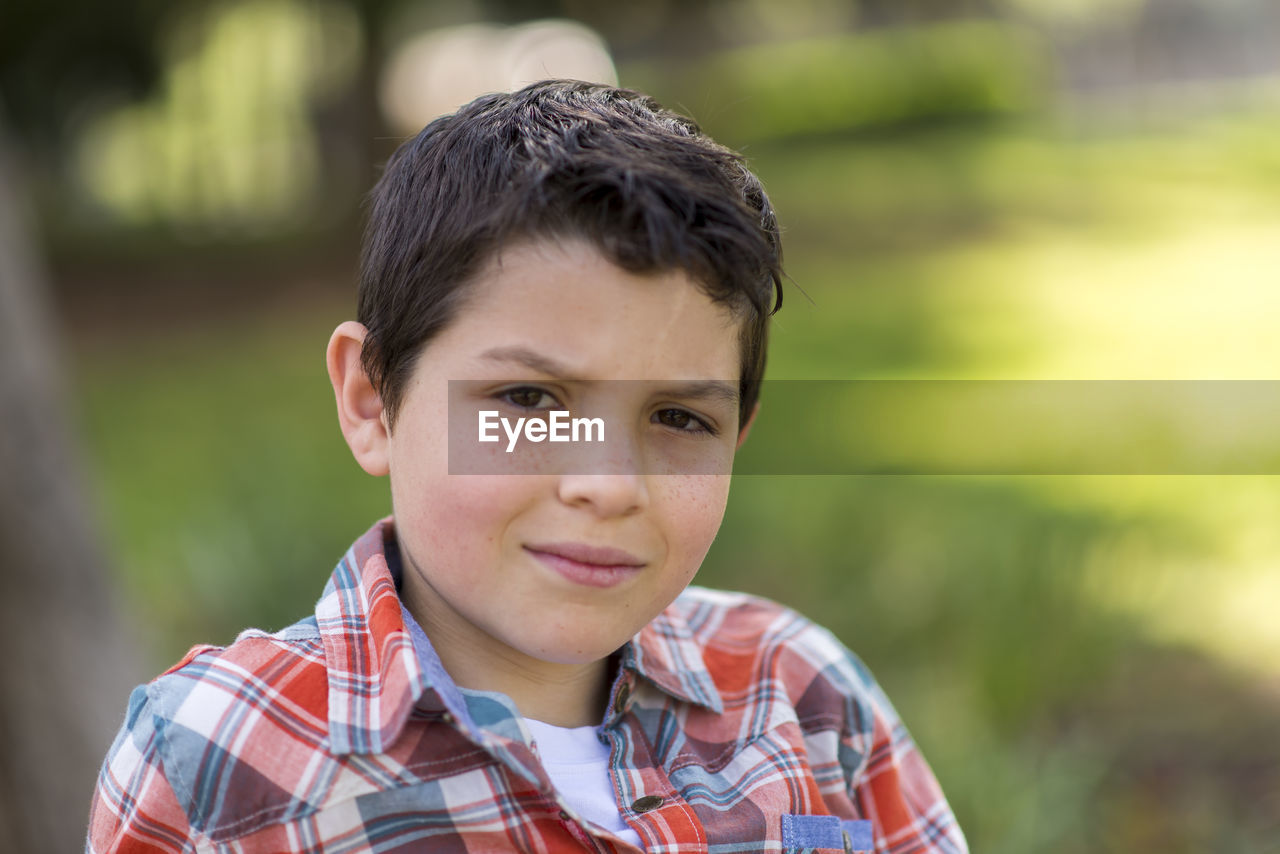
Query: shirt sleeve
{"x":134,"y":808}
{"x":889,"y":780}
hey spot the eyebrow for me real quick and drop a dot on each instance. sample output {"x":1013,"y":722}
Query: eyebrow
{"x":717,"y":390}
{"x":528,"y":358}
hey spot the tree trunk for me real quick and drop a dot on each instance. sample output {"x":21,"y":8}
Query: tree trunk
{"x":66,"y":663}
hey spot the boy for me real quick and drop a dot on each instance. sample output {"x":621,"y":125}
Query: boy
{"x":514,"y":663}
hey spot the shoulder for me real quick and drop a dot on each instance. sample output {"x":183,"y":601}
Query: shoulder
{"x":724,"y":619}
{"x":780,"y":666}
{"x":750,"y":639}
{"x":246,"y":719}
{"x":212,"y":687}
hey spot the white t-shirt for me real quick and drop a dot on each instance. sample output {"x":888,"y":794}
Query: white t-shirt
{"x":578,"y":763}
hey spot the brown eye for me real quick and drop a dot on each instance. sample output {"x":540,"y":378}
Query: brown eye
{"x":683,"y":421}
{"x":527,"y":397}
{"x":676,"y":418}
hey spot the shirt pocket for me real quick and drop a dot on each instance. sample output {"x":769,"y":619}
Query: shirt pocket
{"x":804,"y":833}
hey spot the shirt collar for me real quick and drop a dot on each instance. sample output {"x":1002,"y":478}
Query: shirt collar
{"x":374,"y":674}
{"x":379,"y":667}
{"x":666,"y":653}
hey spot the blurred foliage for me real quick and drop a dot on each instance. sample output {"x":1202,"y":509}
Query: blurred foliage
{"x":1089,"y":663}
{"x":852,"y":81}
{"x":226,"y":142}
{"x":52,"y":55}
{"x":215,"y":452}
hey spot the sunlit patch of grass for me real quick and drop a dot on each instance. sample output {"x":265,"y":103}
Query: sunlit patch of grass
{"x":1211,"y":581}
{"x":1105,"y":257}
{"x":1197,"y":302}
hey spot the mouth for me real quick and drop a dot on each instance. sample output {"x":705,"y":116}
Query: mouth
{"x":593,"y":566}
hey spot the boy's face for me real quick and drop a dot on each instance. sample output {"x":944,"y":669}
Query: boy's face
{"x":564,"y":567}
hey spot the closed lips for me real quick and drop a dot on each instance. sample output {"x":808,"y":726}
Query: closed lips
{"x":602,"y":556}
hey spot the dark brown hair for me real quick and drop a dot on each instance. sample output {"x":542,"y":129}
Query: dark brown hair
{"x":560,"y":159}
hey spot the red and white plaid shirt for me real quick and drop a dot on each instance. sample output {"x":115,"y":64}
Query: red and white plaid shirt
{"x":735,"y":725}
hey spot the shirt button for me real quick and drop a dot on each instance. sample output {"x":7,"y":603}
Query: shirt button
{"x":624,"y":694}
{"x":646,"y":803}
{"x":564,"y":816}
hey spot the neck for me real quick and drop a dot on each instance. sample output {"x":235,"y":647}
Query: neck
{"x":570,"y":696}
{"x":561,"y":694}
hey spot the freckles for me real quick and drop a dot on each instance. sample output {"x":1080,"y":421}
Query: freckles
{"x":696,"y":499}
{"x":694,"y":511}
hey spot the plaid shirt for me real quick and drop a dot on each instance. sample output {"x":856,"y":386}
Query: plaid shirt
{"x":735,"y":725}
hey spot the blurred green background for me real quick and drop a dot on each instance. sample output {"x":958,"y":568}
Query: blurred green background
{"x":1028,"y":189}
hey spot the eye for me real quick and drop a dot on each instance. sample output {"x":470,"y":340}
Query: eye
{"x":528,"y":397}
{"x":683,"y":421}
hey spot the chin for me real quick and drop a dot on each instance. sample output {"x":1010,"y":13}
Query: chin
{"x":571,"y":651}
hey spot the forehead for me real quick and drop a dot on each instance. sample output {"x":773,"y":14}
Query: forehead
{"x":565,"y":300}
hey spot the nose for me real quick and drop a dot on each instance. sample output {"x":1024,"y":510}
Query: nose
{"x":606,"y":495}
{"x":607,"y":477}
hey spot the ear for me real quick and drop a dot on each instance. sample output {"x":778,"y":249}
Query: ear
{"x":746,"y":427}
{"x":359,"y":406}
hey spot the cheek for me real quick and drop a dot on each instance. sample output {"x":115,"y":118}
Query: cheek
{"x":459,"y":518}
{"x":695,"y":508}
{"x":486,"y":506}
